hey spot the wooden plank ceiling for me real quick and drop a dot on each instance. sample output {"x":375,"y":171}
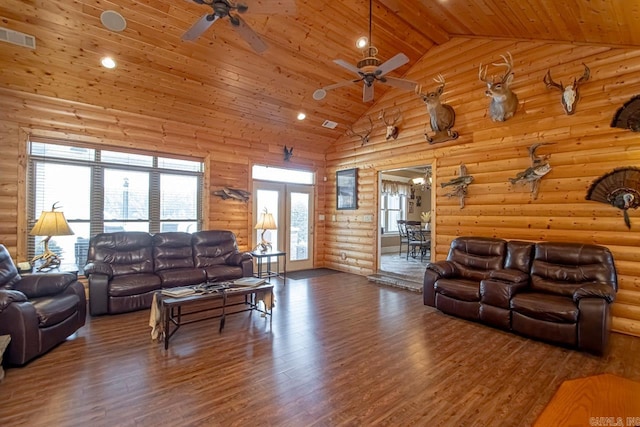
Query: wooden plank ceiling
{"x":219,"y":82}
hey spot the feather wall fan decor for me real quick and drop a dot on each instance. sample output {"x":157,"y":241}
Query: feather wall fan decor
{"x":628,"y":116}
{"x":619,"y":188}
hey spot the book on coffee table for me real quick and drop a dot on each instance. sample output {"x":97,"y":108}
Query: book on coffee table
{"x":246,"y":282}
{"x":178,"y":292}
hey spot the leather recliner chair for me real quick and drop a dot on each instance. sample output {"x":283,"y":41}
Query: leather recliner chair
{"x":38,"y":311}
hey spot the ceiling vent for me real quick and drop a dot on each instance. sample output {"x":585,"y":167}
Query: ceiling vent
{"x":329,"y":124}
{"x":113,"y":21}
{"x":15,"y":37}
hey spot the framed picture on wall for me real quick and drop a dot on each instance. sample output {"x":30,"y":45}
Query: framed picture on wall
{"x":347,"y":189}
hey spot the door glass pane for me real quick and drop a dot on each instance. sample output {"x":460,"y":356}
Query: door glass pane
{"x":268,"y":199}
{"x":299,"y":229}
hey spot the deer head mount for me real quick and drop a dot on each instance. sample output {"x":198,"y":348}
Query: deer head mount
{"x":570,"y":94}
{"x":504,"y":101}
{"x":364,"y":136}
{"x":442,"y":115}
{"x":390,"y":123}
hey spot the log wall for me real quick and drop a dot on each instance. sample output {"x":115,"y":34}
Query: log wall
{"x":582,"y":147}
{"x":228,"y":160}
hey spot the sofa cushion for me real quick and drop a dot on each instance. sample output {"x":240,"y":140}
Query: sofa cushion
{"x":213,"y":247}
{"x":562,"y":267}
{"x":465,"y":290}
{"x":133,"y":284}
{"x":172,"y":250}
{"x":475,"y":257}
{"x":547,"y":307}
{"x":52,"y":311}
{"x":181,"y":277}
{"x":219,"y":273}
{"x":128,"y":252}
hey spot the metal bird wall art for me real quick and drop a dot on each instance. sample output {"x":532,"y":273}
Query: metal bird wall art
{"x":288,"y":153}
{"x":619,"y":188}
{"x":459,"y":185}
{"x":539,"y":168}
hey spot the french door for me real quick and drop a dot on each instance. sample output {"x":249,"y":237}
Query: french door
{"x":292,"y":208}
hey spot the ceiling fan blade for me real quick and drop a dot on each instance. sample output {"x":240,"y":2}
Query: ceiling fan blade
{"x":250,"y":36}
{"x":340,"y":84}
{"x":400,"y":83}
{"x":367,"y":93}
{"x":273,"y":7}
{"x":345,"y":64}
{"x":397,"y":61}
{"x":199,"y":27}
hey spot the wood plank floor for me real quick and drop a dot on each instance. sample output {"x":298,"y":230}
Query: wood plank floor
{"x":342,"y":352}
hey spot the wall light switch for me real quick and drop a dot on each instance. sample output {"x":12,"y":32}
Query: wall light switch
{"x":333,"y":217}
{"x":321,"y":217}
{"x":368,"y":218}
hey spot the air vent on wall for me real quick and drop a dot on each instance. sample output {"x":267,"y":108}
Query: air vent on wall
{"x":15,"y":37}
{"x":329,"y":124}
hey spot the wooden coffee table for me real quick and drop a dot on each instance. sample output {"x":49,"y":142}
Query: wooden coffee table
{"x":178,"y":311}
{"x":594,"y":401}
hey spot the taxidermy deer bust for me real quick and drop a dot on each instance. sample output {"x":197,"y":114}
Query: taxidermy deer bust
{"x":391,"y":124}
{"x":442,"y":116}
{"x":504,"y":101}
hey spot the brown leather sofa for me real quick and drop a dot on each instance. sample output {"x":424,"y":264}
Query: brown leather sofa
{"x":125,"y":268}
{"x":39,"y":311}
{"x":552,"y":291}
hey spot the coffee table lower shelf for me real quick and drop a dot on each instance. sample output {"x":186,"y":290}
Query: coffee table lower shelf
{"x":172,"y":315}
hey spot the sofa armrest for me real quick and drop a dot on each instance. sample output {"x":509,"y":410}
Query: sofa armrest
{"x":433,"y":272}
{"x":598,"y":290}
{"x":42,"y":285}
{"x":98,"y":294}
{"x":238,"y":258}
{"x":97,"y":267}
{"x":8,"y":296}
{"x":509,"y":275}
{"x":443,"y":268}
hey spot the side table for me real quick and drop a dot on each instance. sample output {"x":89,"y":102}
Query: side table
{"x":268,"y":273}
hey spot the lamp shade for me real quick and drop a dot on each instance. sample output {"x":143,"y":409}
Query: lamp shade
{"x":51,"y":224}
{"x":266,"y":222}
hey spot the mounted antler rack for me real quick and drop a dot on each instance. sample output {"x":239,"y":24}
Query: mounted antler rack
{"x":364,"y":136}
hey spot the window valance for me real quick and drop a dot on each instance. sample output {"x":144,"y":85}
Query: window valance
{"x":394,"y":188}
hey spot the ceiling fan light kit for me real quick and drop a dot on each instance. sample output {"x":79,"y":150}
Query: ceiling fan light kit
{"x":369,"y":69}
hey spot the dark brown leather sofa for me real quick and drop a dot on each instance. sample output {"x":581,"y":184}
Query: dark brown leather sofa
{"x":125,"y":268}
{"x":39,"y":311}
{"x":552,"y":291}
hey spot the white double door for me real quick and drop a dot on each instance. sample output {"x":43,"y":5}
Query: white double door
{"x":292,"y":208}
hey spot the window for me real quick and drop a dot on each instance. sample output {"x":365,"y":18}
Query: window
{"x":106,"y":191}
{"x":391,"y":210}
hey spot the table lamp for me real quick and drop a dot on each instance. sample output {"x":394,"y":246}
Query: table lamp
{"x":50,"y":223}
{"x":265,"y":222}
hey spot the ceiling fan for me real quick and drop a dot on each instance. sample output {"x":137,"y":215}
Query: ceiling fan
{"x":369,"y":70}
{"x":225,"y":8}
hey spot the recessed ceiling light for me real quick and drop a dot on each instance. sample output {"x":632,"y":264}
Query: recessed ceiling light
{"x":108,"y":62}
{"x":362,"y":42}
{"x":302,"y":116}
{"x":113,"y":21}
